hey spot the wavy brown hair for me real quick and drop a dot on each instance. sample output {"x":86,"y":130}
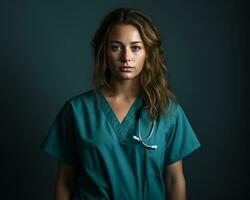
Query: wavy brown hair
{"x":154,"y":87}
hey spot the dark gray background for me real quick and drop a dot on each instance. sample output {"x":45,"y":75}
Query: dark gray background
{"x":46,"y":59}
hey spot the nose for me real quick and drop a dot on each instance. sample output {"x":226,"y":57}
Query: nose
{"x":126,"y":55}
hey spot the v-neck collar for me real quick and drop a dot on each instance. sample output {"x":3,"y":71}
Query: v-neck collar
{"x":129,"y":122}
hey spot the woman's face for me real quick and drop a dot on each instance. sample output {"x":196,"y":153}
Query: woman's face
{"x":125,"y":52}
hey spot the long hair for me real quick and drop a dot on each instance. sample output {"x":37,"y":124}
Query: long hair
{"x":154,"y":87}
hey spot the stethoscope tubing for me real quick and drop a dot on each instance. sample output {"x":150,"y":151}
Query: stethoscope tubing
{"x":143,"y":140}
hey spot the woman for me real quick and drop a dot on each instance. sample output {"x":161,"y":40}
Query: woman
{"x":126,"y":137}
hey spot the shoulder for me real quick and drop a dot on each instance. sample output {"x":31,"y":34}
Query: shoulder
{"x":174,"y":111}
{"x":173,"y":107}
{"x":86,"y":98}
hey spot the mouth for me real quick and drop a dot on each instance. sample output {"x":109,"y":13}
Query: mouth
{"x":125,"y":68}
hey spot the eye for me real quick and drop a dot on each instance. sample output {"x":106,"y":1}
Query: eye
{"x":136,"y":48}
{"x":115,"y":47}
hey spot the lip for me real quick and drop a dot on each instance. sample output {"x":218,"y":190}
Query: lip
{"x":125,"y":68}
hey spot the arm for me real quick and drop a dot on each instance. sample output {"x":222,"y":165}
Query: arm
{"x":65,"y":181}
{"x":175,"y":181}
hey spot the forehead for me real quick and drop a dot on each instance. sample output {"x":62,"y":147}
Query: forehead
{"x":124,"y":33}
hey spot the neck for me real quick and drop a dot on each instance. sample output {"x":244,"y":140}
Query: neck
{"x":126,"y":89}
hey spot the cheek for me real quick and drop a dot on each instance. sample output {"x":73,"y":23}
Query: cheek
{"x":111,"y":57}
{"x":141,"y":59}
{"x":112,"y":62}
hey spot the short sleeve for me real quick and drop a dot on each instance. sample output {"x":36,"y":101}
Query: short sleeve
{"x":181,"y":140}
{"x":60,"y":141}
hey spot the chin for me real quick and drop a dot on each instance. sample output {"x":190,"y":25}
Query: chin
{"x":128,"y":77}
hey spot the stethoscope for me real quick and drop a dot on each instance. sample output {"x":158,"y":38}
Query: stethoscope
{"x":143,"y":140}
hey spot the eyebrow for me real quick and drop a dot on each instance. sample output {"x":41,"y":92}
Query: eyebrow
{"x":115,"y":41}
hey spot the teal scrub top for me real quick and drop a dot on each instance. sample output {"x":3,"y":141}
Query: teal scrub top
{"x":87,"y":133}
